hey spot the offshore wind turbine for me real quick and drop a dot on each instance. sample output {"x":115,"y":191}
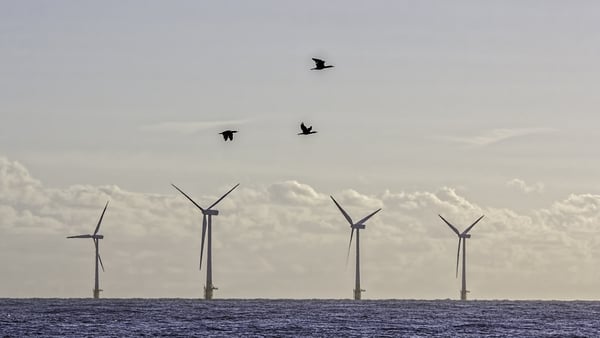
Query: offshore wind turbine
{"x":96,"y":238}
{"x":355,"y":226}
{"x":462,"y":236}
{"x":207,"y":215}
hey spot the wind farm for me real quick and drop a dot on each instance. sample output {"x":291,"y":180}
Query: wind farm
{"x":378,"y":105}
{"x":96,"y":240}
{"x":207,"y":214}
{"x":283,"y":124}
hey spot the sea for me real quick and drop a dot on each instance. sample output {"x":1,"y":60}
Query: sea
{"x":296,"y":318}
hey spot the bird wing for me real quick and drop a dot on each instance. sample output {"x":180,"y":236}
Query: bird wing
{"x":319,"y":62}
{"x":224,"y":135}
{"x":304,"y":129}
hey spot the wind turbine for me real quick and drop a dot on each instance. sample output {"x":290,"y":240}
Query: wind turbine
{"x":462,"y":237}
{"x":96,"y":238}
{"x":207,"y":215}
{"x":355,"y":226}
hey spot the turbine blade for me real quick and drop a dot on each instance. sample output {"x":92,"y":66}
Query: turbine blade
{"x":366,"y":218}
{"x":101,"y":216}
{"x":81,"y":236}
{"x":343,"y":211}
{"x":202,"y":243}
{"x":450,"y":225}
{"x":222,"y":197}
{"x":349,"y":245}
{"x":472,"y":225}
{"x":188,"y":197}
{"x":99,"y":258}
{"x":458,"y":255}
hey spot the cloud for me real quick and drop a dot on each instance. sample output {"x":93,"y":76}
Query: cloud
{"x":288,"y":240}
{"x":292,"y":192}
{"x":190,"y":127}
{"x":524,"y":187}
{"x":493,"y":136}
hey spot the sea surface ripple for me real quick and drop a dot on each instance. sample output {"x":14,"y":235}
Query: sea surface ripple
{"x":296,"y":318}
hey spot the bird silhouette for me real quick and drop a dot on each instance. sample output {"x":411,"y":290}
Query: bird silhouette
{"x":228,"y":134}
{"x":306,"y":130}
{"x":320,"y":64}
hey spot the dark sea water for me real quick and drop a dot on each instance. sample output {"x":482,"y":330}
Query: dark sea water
{"x":295,"y":318}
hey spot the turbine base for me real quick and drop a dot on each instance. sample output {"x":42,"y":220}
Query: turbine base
{"x":208,"y":292}
{"x":97,"y":293}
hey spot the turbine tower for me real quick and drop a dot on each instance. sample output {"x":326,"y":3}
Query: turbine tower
{"x":355,"y":226}
{"x":462,"y":237}
{"x":207,"y":215}
{"x":96,"y":238}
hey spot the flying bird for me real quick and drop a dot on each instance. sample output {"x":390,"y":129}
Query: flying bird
{"x":320,"y":64}
{"x":228,"y":134}
{"x":306,"y":130}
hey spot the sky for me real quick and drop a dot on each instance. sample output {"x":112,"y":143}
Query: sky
{"x":458,"y":108}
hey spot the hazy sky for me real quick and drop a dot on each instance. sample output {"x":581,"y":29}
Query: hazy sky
{"x":461,"y":108}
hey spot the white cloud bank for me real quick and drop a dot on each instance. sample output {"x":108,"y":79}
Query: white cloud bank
{"x":287,"y":240}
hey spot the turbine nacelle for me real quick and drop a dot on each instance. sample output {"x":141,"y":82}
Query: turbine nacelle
{"x":358,"y":226}
{"x":210,"y":212}
{"x":95,"y":234}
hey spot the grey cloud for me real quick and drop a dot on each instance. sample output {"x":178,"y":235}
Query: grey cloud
{"x":352,"y":198}
{"x":524,"y":187}
{"x":296,"y":193}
